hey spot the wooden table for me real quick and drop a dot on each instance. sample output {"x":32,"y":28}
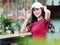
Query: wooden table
{"x":14,"y":35}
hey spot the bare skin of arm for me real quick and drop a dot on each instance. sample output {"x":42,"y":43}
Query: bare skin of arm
{"x":24,"y":28}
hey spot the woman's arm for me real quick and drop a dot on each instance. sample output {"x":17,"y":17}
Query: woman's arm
{"x":28,"y":15}
{"x":47,"y":13}
{"x":23,"y":28}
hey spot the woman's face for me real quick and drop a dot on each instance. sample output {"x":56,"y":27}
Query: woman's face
{"x":37,"y":12}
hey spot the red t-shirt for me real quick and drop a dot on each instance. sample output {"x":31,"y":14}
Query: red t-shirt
{"x":39,"y":29}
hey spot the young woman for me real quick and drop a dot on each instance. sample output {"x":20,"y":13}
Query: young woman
{"x":40,"y":21}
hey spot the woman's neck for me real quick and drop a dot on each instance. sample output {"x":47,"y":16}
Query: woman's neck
{"x":40,"y":18}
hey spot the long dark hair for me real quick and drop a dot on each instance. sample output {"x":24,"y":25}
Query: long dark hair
{"x":34,"y":19}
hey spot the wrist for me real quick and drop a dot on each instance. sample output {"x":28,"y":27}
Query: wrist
{"x":27,"y":18}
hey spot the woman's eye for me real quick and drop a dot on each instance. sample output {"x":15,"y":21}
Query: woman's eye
{"x":33,"y":10}
{"x":37,"y":9}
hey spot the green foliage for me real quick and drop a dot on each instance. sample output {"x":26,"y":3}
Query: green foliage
{"x":6,"y":21}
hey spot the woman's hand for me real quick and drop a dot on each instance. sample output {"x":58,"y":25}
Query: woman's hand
{"x":22,"y":35}
{"x":28,"y":14}
{"x":45,"y":8}
{"x":25,"y":34}
{"x":47,"y":13}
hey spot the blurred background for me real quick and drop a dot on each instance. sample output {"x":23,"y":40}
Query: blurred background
{"x":16,"y":10}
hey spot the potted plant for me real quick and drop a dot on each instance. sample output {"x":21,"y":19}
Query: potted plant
{"x":6,"y":24}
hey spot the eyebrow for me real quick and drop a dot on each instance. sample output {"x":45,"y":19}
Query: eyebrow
{"x":35,"y":8}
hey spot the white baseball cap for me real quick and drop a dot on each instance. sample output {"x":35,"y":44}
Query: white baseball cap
{"x":36,"y":5}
